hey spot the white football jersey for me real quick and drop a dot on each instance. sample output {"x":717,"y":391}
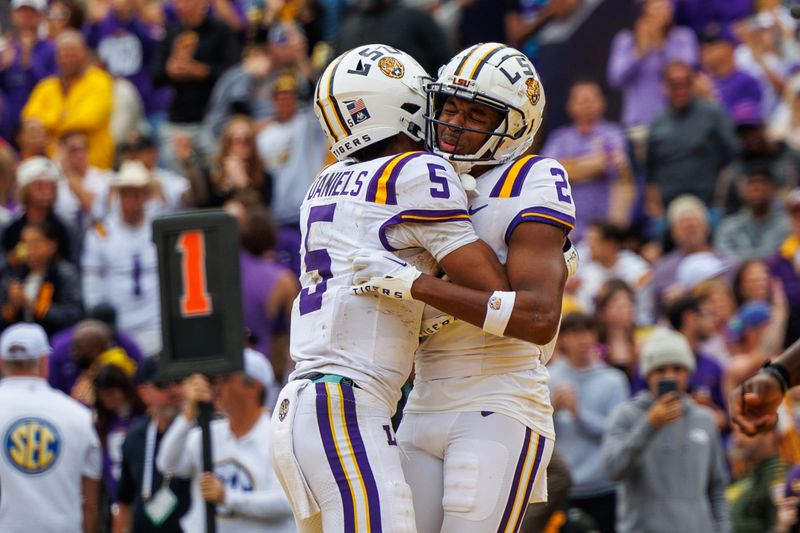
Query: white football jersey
{"x":49,"y":444}
{"x":388,"y":203}
{"x":120,"y":266}
{"x":527,"y":189}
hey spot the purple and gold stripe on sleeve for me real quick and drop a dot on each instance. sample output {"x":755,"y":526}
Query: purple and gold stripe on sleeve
{"x":348,"y":459}
{"x":511,"y":181}
{"x":524,"y":476}
{"x":424,"y":216}
{"x":382,"y":188}
{"x":545,"y":216}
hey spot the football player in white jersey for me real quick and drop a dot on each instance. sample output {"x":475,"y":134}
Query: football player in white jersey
{"x":333,"y":446}
{"x":477,"y":432}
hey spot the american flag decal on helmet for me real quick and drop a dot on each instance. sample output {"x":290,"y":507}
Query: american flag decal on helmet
{"x":358,"y":111}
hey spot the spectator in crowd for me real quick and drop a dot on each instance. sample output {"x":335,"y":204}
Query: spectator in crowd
{"x":116,"y":406}
{"x":759,"y":56}
{"x":36,"y":188}
{"x":81,"y":183}
{"x":293,"y":150}
{"x":92,"y":349}
{"x":268,"y":290}
{"x":699,"y":14}
{"x":243,"y":486}
{"x":754,"y":283}
{"x":746,"y":332}
{"x":243,"y":89}
{"x":689,"y":229}
{"x":31,"y":139}
{"x":65,"y":363}
{"x":689,"y":144}
{"x":608,"y":260}
{"x":26,"y":60}
{"x":751,"y":497}
{"x":8,"y":167}
{"x":64,"y":15}
{"x":638,"y":58}
{"x":784,"y":125}
{"x":593,"y":152}
{"x":721,"y":81}
{"x":194,"y":53}
{"x":42,"y":288}
{"x":237,"y":169}
{"x":140,"y":480}
{"x":394,"y":24}
{"x":785,"y":265}
{"x":615,"y":309}
{"x":758,"y":228}
{"x":119,"y":261}
{"x":664,"y":449}
{"x":584,"y":392}
{"x":52,"y":454}
{"x":127,"y":47}
{"x":78,"y":98}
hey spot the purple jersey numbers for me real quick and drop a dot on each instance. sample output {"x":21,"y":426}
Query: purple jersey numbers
{"x":561,"y":185}
{"x":441,"y":181}
{"x":318,"y":260}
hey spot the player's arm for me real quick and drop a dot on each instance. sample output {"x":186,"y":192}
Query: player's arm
{"x":90,"y":490}
{"x":537,"y":273}
{"x":123,"y":520}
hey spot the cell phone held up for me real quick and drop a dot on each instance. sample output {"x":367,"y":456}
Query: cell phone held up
{"x":666,"y":385}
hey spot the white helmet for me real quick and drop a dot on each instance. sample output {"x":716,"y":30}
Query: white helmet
{"x":368,"y":94}
{"x":499,"y":77}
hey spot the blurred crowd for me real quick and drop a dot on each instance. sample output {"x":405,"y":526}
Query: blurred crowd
{"x":683,"y":156}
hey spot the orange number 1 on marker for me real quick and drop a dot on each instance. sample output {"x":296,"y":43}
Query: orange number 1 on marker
{"x":195,"y":300}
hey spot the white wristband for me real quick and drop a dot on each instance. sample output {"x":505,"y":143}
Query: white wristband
{"x":498,"y":312}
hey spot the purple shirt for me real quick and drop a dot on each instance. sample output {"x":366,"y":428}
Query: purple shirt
{"x":259,"y":277}
{"x":737,"y":88}
{"x":112,"y":453}
{"x":592,"y":197}
{"x":639,"y":78}
{"x":127,"y":48}
{"x":17,"y":82}
{"x":783,"y":269}
{"x":706,"y":379}
{"x":698,"y":14}
{"x":62,"y":368}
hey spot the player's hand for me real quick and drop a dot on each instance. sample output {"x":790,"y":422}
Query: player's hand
{"x":382,"y":273}
{"x":753,"y":405}
{"x":433,"y":321}
{"x":196,"y":389}
{"x":665,"y":410}
{"x":211,"y":488}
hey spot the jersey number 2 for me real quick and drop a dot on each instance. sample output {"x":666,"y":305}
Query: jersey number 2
{"x":195,"y":300}
{"x":319,"y":260}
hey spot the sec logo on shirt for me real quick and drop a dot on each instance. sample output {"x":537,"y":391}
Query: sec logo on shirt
{"x":32,"y":445}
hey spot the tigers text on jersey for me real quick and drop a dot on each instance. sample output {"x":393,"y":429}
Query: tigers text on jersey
{"x":120,"y":266}
{"x":49,"y":444}
{"x":527,"y":189}
{"x":388,"y":203}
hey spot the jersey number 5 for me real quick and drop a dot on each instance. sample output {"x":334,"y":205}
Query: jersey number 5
{"x":195,"y":300}
{"x":319,"y":260}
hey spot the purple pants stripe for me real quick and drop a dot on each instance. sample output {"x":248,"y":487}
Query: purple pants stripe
{"x":337,"y":468}
{"x":523,"y":455}
{"x":362,"y":459}
{"x":529,"y":488}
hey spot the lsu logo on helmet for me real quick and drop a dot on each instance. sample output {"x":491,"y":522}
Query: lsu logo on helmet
{"x":391,"y":67}
{"x":533,"y":90}
{"x":32,"y":445}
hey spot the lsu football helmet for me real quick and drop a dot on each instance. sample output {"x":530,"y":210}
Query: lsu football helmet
{"x":368,"y":94}
{"x":500,"y":77}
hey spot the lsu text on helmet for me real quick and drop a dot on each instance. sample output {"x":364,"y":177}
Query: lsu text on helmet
{"x":368,"y":94}
{"x":501,"y":78}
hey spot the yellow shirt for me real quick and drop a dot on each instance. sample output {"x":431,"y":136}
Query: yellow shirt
{"x":85,"y":107}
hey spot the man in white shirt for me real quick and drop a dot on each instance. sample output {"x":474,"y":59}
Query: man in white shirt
{"x":119,"y":261}
{"x":243,"y":487}
{"x":51,"y":461}
{"x":81,"y":184}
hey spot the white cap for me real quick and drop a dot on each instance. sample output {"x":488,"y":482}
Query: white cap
{"x":36,"y":169}
{"x":257,"y":367}
{"x":24,"y":341}
{"x":38,"y":5}
{"x":132,"y":174}
{"x":696,"y":268}
{"x":666,"y":347}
